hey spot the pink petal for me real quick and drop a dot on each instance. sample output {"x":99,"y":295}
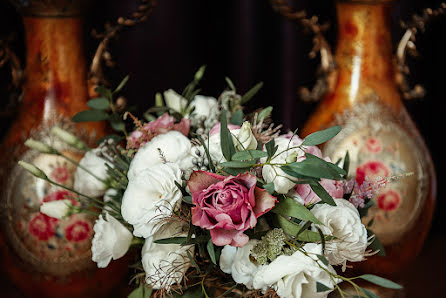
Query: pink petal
{"x":217,"y":127}
{"x":248,"y":180}
{"x":221,"y":237}
{"x":200,"y":180}
{"x":264,"y":201}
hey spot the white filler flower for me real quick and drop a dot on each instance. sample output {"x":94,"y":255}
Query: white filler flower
{"x":111,"y":240}
{"x":165,"y":264}
{"x":57,"y":209}
{"x":295,"y":275}
{"x":84,"y":182}
{"x":282,"y":182}
{"x":343,"y":222}
{"x":151,"y":196}
{"x":171,"y":147}
{"x":236,"y":261}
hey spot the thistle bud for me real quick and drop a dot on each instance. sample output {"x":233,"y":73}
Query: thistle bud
{"x":33,"y":170}
{"x":68,"y":138}
{"x":41,"y":147}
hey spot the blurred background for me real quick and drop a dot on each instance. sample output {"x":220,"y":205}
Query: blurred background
{"x":248,"y":42}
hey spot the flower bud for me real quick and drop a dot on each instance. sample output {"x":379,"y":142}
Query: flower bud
{"x":57,"y":209}
{"x":33,"y":170}
{"x":199,"y":74}
{"x":292,"y":157}
{"x":159,"y":100}
{"x":68,"y":138}
{"x":41,"y":147}
{"x":245,"y":138}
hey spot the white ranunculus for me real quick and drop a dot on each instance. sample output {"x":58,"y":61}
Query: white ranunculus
{"x":205,"y":109}
{"x":295,"y":275}
{"x":165,"y":264}
{"x":57,"y":209}
{"x":175,"y":101}
{"x":84,"y":182}
{"x":111,"y":240}
{"x":245,"y":139}
{"x":282,"y":182}
{"x":343,"y":222}
{"x":171,"y":147}
{"x":236,"y":261}
{"x":151,"y":196}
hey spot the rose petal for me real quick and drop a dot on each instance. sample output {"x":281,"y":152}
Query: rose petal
{"x":264,"y":201}
{"x":221,"y":237}
{"x":200,"y":180}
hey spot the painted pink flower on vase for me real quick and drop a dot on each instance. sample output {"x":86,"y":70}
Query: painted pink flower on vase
{"x":389,"y":201}
{"x":60,"y":195}
{"x":227,"y":206}
{"x":334,"y":188}
{"x":162,"y":125}
{"x":42,"y":226}
{"x":373,"y":145}
{"x":78,"y":231}
{"x":60,"y":174}
{"x":371,"y":169}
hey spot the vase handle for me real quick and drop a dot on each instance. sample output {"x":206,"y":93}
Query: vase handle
{"x":102,"y":55}
{"x":407,"y":45}
{"x":326,"y":71}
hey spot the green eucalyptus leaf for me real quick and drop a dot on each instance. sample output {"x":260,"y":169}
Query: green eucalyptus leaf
{"x":211,"y":251}
{"x":172,"y":240}
{"x":116,"y":122}
{"x":322,"y":194}
{"x":322,"y":136}
{"x":100,"y":103}
{"x":289,"y":207}
{"x":346,"y":165}
{"x":90,"y":116}
{"x":369,"y":293}
{"x":322,"y":288}
{"x":230,"y":83}
{"x":187,"y":199}
{"x":137,"y":293}
{"x":227,"y":145}
{"x":122,"y":84}
{"x":269,"y":187}
{"x":323,"y":259}
{"x":104,"y":92}
{"x":251,"y":92}
{"x":271,"y":148}
{"x":236,"y":164}
{"x":380,"y":281}
{"x":264,"y":113}
{"x":237,"y":118}
{"x":249,"y":155}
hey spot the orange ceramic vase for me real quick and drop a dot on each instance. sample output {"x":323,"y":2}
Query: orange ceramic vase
{"x":43,"y":256}
{"x":380,"y":136}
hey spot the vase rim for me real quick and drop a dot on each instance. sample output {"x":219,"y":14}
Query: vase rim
{"x":51,"y":8}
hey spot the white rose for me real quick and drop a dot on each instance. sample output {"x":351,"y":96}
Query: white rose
{"x":151,"y":196}
{"x":245,"y":139}
{"x":172,"y":147}
{"x":205,"y":108}
{"x":175,"y":101}
{"x":56,"y":209}
{"x":111,"y":240}
{"x":295,"y":275}
{"x":282,"y":182}
{"x":236,"y":261}
{"x":343,"y":222}
{"x":84,"y":182}
{"x":165,"y":264}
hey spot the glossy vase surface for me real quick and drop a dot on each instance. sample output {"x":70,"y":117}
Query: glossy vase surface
{"x":43,"y":256}
{"x":378,"y":133}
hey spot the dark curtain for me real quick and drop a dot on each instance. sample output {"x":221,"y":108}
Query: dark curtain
{"x":248,"y":42}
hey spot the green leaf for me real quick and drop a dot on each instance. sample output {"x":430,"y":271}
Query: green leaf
{"x":211,"y":251}
{"x":377,"y":280}
{"x":346,"y":165}
{"x":289,"y":207}
{"x":122,"y":84}
{"x":236,"y":164}
{"x":376,"y":244}
{"x":250,"y":94}
{"x":271,"y":148}
{"x":187,"y":199}
{"x":137,"y":293}
{"x":292,"y":229}
{"x":104,"y":92}
{"x":227,"y":145}
{"x":173,"y":240}
{"x":322,"y":194}
{"x":334,"y":170}
{"x":237,"y":118}
{"x":322,"y":288}
{"x":369,"y":293}
{"x":90,"y":116}
{"x":230,"y":83}
{"x":264,"y":113}
{"x":192,"y":261}
{"x":195,"y":292}
{"x":322,"y":136}
{"x":323,"y":259}
{"x":100,"y":103}
{"x":116,"y":122}
{"x":269,"y":187}
{"x":249,"y":155}
{"x":310,"y":236}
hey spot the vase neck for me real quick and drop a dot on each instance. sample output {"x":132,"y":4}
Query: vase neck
{"x":364,"y":49}
{"x":55,"y":66}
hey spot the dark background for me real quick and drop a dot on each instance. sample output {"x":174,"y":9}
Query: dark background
{"x":248,"y":42}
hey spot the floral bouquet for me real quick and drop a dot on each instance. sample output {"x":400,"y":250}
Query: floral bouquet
{"x":216,"y":202}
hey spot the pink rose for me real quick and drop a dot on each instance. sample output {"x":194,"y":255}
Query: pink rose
{"x":227,"y":206}
{"x":334,"y":188}
{"x":217,"y":127}
{"x":162,"y":125}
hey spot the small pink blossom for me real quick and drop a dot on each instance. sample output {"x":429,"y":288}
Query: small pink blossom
{"x":227,"y":206}
{"x":162,"y":125}
{"x":334,"y":188}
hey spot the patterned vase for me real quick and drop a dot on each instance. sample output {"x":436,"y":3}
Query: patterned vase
{"x":43,"y":256}
{"x":378,"y":133}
